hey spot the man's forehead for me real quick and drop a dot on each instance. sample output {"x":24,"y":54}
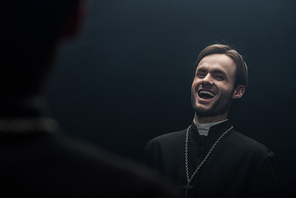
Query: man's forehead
{"x":214,"y":68}
{"x":217,"y":62}
{"x":221,"y":58}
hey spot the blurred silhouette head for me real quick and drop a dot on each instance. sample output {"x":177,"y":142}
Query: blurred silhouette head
{"x":31,"y":31}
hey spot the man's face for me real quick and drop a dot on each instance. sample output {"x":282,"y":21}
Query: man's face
{"x":212,"y":89}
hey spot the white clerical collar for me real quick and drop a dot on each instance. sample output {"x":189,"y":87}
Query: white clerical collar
{"x":203,"y":129}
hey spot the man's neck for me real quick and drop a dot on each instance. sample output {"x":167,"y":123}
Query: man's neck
{"x":209,"y":119}
{"x":24,"y":106}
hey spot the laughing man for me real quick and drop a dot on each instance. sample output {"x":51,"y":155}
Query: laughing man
{"x":209,"y":158}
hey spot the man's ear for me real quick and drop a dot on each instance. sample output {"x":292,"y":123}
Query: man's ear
{"x":73,"y":23}
{"x":239,"y":92}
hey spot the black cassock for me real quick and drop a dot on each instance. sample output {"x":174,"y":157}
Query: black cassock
{"x":237,"y":167}
{"x":37,"y":163}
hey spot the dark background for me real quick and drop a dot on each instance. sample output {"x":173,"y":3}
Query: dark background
{"x":127,"y":78}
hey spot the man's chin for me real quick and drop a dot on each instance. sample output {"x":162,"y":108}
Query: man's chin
{"x":206,"y":111}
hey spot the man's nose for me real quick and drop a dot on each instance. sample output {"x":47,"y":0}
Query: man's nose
{"x":207,"y":80}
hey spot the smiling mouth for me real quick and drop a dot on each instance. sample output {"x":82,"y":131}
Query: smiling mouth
{"x":206,"y":94}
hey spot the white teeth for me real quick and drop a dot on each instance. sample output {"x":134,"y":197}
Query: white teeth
{"x":206,"y":92}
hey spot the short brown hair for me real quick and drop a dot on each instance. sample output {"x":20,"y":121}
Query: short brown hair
{"x":241,"y":74}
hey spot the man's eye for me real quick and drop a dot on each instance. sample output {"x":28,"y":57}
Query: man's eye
{"x":200,"y":75}
{"x":220,"y":77}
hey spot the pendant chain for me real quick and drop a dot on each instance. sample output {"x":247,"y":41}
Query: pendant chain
{"x":189,"y":179}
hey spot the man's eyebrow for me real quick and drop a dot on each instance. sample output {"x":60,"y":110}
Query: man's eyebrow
{"x":217,"y":71}
{"x":201,"y":70}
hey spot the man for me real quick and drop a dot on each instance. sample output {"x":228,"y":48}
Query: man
{"x":35,"y":160}
{"x":209,"y":158}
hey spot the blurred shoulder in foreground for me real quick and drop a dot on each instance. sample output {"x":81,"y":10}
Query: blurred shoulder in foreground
{"x":35,"y":159}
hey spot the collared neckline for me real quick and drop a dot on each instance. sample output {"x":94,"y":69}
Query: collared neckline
{"x":25,"y":115}
{"x":203,"y":129}
{"x":214,"y":131}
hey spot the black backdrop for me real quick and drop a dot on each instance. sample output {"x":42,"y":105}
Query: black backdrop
{"x":127,"y":78}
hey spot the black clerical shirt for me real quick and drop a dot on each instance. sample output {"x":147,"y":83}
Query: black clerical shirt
{"x":237,"y":167}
